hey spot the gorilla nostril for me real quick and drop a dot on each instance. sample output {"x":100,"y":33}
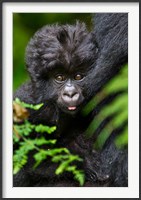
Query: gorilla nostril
{"x":75,"y":97}
{"x":66,"y":97}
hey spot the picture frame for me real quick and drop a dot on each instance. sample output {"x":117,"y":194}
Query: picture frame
{"x":6,"y":107}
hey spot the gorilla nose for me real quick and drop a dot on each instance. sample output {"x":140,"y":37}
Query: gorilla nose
{"x":70,"y":96}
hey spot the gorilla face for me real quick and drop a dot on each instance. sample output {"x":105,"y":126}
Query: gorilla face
{"x":59,"y":59}
{"x":70,"y":94}
{"x":67,"y":88}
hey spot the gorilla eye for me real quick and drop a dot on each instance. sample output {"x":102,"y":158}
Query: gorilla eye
{"x":60,"y":78}
{"x":78,"y":77}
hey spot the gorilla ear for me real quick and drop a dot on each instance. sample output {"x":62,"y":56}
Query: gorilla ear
{"x":62,"y":36}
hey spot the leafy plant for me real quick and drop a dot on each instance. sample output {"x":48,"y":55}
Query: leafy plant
{"x":111,"y":111}
{"x":25,"y":144}
{"x":26,"y":105}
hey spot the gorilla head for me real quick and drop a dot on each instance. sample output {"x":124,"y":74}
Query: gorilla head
{"x":59,"y":59}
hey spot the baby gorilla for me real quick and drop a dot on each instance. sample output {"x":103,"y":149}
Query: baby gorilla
{"x":60,"y":60}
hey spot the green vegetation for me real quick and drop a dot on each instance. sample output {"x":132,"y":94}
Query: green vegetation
{"x":117,"y":109}
{"x":25,"y":144}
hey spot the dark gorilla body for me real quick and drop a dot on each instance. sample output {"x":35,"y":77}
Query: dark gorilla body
{"x":67,"y":66}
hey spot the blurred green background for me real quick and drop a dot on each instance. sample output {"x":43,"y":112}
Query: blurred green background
{"x":25,"y":25}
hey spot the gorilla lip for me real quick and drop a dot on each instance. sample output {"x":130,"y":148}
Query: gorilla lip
{"x":72,"y":108}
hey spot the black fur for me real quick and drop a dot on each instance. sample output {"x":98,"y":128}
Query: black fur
{"x":99,"y":55}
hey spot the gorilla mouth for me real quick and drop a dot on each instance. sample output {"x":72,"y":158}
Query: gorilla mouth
{"x":72,"y":108}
